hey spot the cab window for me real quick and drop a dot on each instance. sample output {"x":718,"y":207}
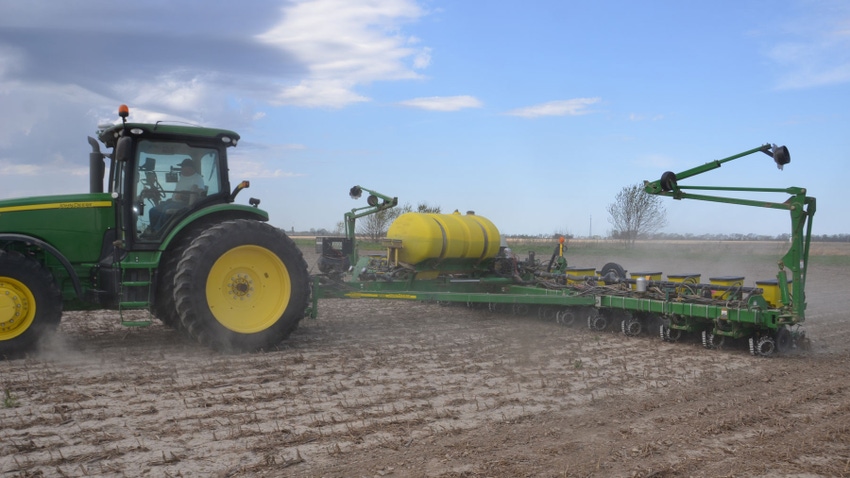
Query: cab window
{"x":172,"y":177}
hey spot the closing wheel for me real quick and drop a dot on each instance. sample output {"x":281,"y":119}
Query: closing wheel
{"x":546,"y":313}
{"x":765,"y":346}
{"x":597,"y":322}
{"x":565,"y":317}
{"x":784,"y":340}
{"x":496,"y":307}
{"x":520,"y":309}
{"x":669,"y":334}
{"x":30,"y":303}
{"x":631,"y":326}
{"x":241,"y":285}
{"x":673,"y":335}
{"x":712,"y":341}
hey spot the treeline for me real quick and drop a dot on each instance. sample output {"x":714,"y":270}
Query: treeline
{"x":745,"y":237}
{"x":670,"y":236}
{"x":660,"y":236}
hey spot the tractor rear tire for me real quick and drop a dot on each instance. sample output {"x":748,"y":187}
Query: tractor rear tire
{"x":30,"y":303}
{"x":241,"y":285}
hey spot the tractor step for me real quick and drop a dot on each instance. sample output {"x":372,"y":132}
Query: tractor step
{"x":136,"y":294}
{"x":137,"y":305}
{"x":143,"y":321}
{"x":139,"y":283}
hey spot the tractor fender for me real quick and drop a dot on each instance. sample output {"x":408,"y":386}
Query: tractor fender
{"x":214,"y":215}
{"x":75,"y":279}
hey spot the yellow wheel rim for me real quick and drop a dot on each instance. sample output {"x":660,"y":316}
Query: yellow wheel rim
{"x":248,"y":289}
{"x":17,"y":308}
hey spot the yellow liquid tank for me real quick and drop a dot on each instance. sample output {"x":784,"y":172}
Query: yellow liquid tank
{"x":444,"y":236}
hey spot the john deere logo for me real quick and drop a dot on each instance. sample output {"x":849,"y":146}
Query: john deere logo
{"x":57,"y":205}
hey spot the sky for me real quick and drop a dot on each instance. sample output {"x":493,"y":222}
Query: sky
{"x":533,"y":114}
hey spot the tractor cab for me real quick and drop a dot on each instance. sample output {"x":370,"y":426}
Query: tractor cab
{"x":161,"y":173}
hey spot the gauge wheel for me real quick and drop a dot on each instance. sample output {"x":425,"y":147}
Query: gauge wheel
{"x":30,"y":303}
{"x":241,"y":285}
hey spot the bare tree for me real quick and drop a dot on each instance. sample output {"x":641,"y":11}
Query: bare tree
{"x":424,"y":207}
{"x":634,"y":212}
{"x":374,"y":226}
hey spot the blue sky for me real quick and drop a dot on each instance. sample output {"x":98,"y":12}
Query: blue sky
{"x":533,"y":114}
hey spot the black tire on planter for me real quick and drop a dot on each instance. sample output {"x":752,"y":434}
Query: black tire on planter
{"x":784,"y":340}
{"x":612,"y":267}
{"x":242,"y":285}
{"x":30,"y":303}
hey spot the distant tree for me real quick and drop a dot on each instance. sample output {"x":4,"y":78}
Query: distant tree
{"x":374,"y":226}
{"x":634,"y":213}
{"x":424,"y":207}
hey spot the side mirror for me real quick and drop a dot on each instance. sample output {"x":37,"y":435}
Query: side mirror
{"x":124,"y":148}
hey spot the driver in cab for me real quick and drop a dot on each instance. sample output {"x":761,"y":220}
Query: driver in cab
{"x":188,"y":188}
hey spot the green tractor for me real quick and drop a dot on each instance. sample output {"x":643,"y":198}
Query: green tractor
{"x":165,"y":237}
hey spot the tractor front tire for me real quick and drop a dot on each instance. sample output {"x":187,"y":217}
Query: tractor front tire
{"x":241,"y":285}
{"x":164,"y":307}
{"x":30,"y":303}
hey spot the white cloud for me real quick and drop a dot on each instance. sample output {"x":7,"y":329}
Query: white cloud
{"x":248,"y":169}
{"x":174,"y":93}
{"x":422,"y":59}
{"x":443,"y":103}
{"x":815,"y":50}
{"x":31,"y":106}
{"x":313,"y":93}
{"x":640,"y":117}
{"x":345,"y":44}
{"x":573,"y":107}
{"x":8,"y":169}
{"x":56,"y":177}
{"x":11,"y":60}
{"x":655,"y":161}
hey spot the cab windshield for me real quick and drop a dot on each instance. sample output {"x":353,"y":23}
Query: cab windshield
{"x":171,"y":178}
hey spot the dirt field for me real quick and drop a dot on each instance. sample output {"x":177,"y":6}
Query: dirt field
{"x":412,"y":389}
